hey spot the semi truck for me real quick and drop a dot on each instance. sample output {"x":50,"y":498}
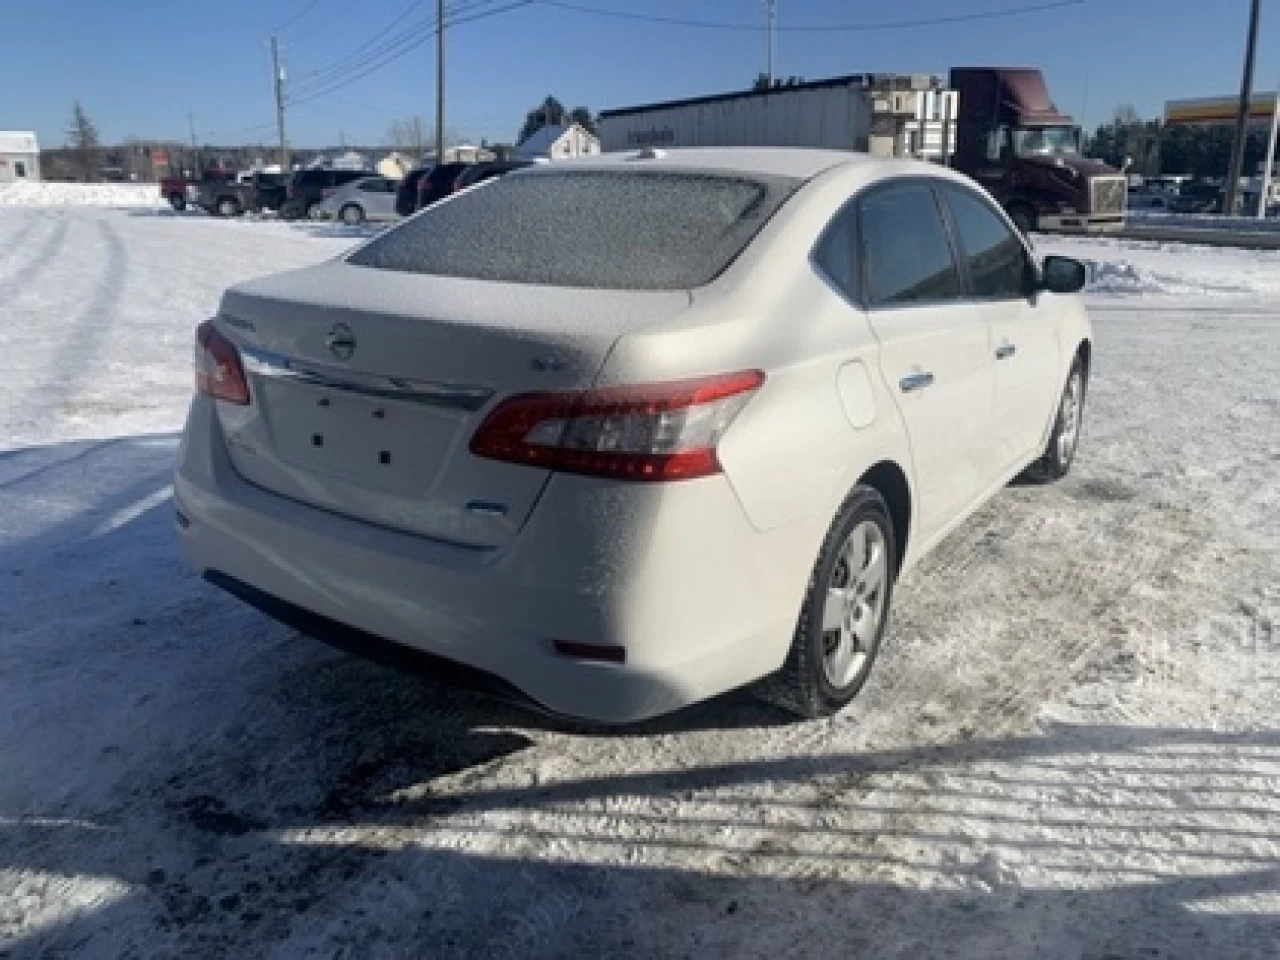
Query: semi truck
{"x":1013,"y":140}
{"x":995,"y":124}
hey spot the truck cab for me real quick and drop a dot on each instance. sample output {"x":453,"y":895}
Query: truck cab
{"x":1013,"y":140}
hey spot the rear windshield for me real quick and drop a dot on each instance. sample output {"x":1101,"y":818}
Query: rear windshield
{"x":608,"y":229}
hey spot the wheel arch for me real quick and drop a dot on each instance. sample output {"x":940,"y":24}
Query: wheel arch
{"x":889,"y":480}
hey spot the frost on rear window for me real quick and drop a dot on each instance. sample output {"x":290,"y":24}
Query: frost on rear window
{"x":608,"y":229}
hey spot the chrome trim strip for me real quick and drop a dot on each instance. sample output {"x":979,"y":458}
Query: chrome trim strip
{"x":452,"y":396}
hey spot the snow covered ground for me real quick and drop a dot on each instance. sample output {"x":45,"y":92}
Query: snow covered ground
{"x":122,"y":195}
{"x":1164,"y":269}
{"x":1069,"y":749}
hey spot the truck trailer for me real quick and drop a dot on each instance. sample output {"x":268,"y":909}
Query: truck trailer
{"x":995,"y":124}
{"x":869,"y":113}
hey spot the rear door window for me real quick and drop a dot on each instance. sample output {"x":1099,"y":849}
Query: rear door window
{"x":610,"y":229}
{"x":997,"y":260}
{"x":906,"y":254}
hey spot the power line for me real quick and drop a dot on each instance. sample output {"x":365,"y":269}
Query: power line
{"x":812,"y":28}
{"x":354,"y":55}
{"x":409,"y":42}
{"x":380,"y":43}
{"x":306,"y":8}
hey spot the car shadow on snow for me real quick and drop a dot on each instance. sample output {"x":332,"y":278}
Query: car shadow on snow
{"x":330,"y":229}
{"x":223,"y":787}
{"x":472,"y":874}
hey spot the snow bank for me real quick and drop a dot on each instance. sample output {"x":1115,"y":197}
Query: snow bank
{"x":80,"y":195}
{"x":1153,"y":268}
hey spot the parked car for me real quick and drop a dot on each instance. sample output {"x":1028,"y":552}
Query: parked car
{"x":679,"y":426}
{"x":1196,"y":197}
{"x":231,"y":197}
{"x":306,"y":190}
{"x":370,"y":198}
{"x":175,"y":190}
{"x":425,"y":185}
{"x":407,"y":191}
{"x":488,"y":170}
{"x":1146,"y":199}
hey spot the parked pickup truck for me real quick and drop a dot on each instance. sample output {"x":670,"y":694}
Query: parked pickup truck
{"x":225,"y":198}
{"x":176,"y":190}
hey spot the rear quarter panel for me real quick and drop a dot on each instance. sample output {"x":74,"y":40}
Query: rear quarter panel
{"x":823,"y":416}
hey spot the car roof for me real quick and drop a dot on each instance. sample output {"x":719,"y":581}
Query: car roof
{"x":802,"y":163}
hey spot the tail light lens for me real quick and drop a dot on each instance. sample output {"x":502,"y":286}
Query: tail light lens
{"x":219,"y":372}
{"x":649,"y":432}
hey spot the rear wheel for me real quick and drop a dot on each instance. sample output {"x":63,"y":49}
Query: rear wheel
{"x":845,"y":611}
{"x":313,"y":211}
{"x":1023,"y":217}
{"x":228,"y":207}
{"x":178,"y":202}
{"x":351,"y":214}
{"x":1064,"y":439}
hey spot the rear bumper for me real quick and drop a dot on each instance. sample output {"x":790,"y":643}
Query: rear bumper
{"x":674,"y":574}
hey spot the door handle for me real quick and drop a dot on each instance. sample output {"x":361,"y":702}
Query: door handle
{"x":915,"y":381}
{"x":1005,"y":351}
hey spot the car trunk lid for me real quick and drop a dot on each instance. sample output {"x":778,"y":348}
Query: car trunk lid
{"x":367,"y":385}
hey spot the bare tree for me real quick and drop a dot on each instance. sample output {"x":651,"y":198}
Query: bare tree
{"x":407,"y":134}
{"x":1126,"y":116}
{"x":82,"y":140}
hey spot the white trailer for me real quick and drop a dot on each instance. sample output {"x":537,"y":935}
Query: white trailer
{"x":875,"y":113}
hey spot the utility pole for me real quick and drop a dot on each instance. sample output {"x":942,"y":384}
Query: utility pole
{"x":277,"y":72}
{"x":1242,"y":113}
{"x":1271,"y":156}
{"x":198,"y":169}
{"x":771,"y":18}
{"x":439,"y":81}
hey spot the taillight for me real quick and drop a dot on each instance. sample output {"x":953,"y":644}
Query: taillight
{"x":219,"y":372}
{"x":660,"y":431}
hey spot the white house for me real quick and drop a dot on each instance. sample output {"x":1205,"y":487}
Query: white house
{"x":19,"y":156}
{"x":557,"y":141}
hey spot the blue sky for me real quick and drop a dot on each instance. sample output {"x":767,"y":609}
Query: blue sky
{"x":140,"y":66}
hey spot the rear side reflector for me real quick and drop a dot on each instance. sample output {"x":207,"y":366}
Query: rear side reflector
{"x":604,"y":652}
{"x":646,"y":432}
{"x":219,"y":372}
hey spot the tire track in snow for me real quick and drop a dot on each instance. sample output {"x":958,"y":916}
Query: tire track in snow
{"x":16,"y":239}
{"x":75,"y":358}
{"x":29,"y":268}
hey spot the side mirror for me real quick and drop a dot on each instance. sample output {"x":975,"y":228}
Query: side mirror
{"x":1062,"y":275}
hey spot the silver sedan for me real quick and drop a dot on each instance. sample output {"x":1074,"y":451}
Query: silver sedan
{"x":370,"y":198}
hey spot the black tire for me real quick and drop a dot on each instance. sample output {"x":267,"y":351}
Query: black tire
{"x":352,"y":214}
{"x":228,"y":207}
{"x":178,"y":202}
{"x":1058,"y":456}
{"x":1023,"y":216}
{"x":803,"y":685}
{"x":290,"y":210}
{"x":313,"y":210}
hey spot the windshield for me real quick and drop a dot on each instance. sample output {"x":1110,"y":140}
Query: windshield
{"x":1030,"y":141}
{"x":606,"y":229}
